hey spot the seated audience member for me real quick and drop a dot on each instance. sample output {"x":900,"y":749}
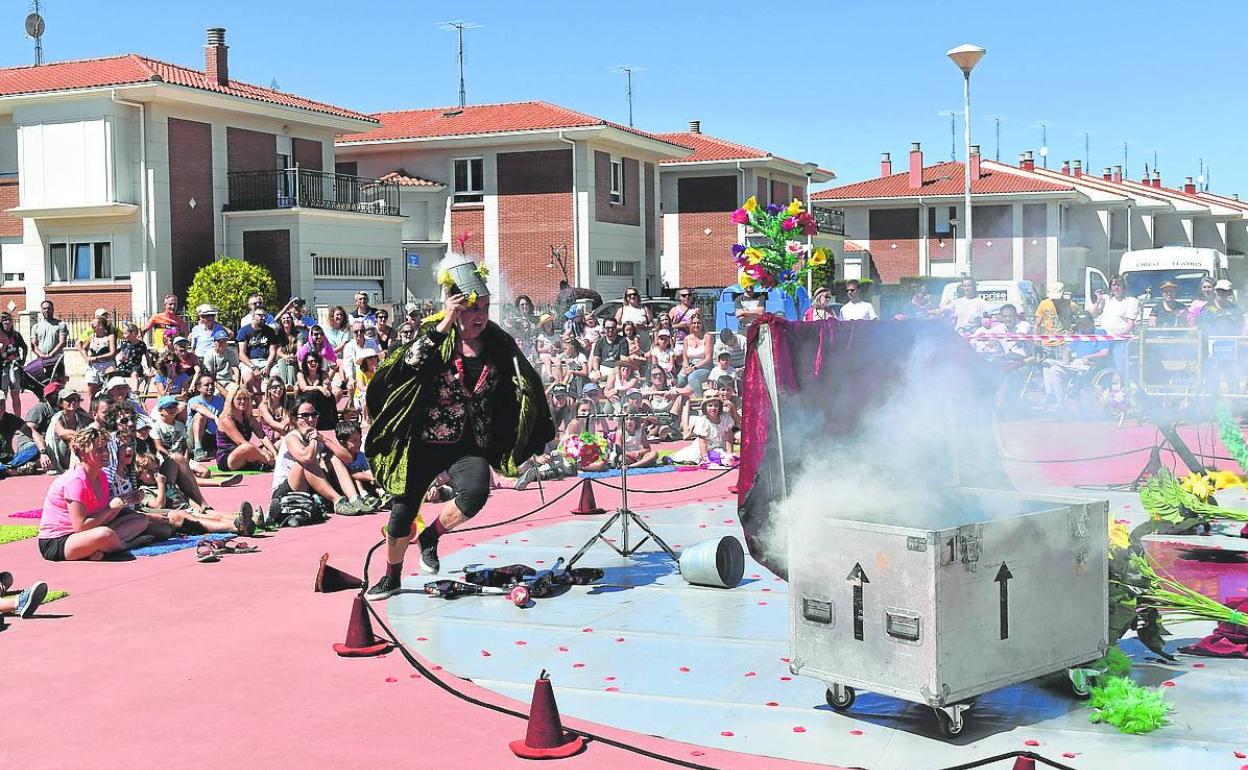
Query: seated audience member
{"x":255,"y":307}
{"x":319,"y":343}
{"x":175,"y":371}
{"x":24,"y":603}
{"x":712,"y":433}
{"x":237,"y":429}
{"x":98,"y":349}
{"x":19,"y":454}
{"x":118,"y":389}
{"x":561,"y":407}
{"x":134,"y":359}
{"x":202,"y":411}
{"x":257,"y":349}
{"x":64,"y":425}
{"x":1004,"y":350}
{"x":406,"y":333}
{"x":723,"y":368}
{"x":100,"y":405}
{"x":168,"y":322}
{"x":384,"y":331}
{"x":221,"y":361}
{"x":365,"y":367}
{"x":856,"y":308}
{"x":662,"y":355}
{"x":316,"y":383}
{"x":299,"y":464}
{"x":164,"y":503}
{"x":637,"y":450}
{"x":638,"y":345}
{"x":275,"y":408}
{"x":345,"y":444}
{"x":571,"y":366}
{"x":697,"y":355}
{"x":357,"y":343}
{"x":734,"y":344}
{"x":39,"y":419}
{"x":664,"y":398}
{"x":1076,"y":359}
{"x":622,"y":381}
{"x":607,"y":352}
{"x":205,"y":332}
{"x":726,"y":389}
{"x":546,"y":344}
{"x":170,"y":437}
{"x":82,"y":519}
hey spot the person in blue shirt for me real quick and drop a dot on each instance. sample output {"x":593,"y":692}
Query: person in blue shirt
{"x":202,"y":410}
{"x":1077,"y":358}
{"x":203,"y":332}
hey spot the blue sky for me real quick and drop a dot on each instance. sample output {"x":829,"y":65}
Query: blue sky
{"x":838,"y":85}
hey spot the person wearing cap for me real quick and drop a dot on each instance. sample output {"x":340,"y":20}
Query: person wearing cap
{"x":819,"y":309}
{"x":1222,"y":317}
{"x":168,"y":322}
{"x":257,"y":348}
{"x":202,"y":335}
{"x":99,"y":350}
{"x":661,"y":354}
{"x":221,"y":361}
{"x":1169,"y":312}
{"x":39,"y":417}
{"x":62,"y":428}
{"x":460,"y":400}
{"x":1117,"y":314}
{"x":118,"y":388}
{"x":1055,"y":315}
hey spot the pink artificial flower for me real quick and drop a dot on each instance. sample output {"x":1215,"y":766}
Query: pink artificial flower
{"x":740,"y":217}
{"x":790,"y":223}
{"x":806,"y":221}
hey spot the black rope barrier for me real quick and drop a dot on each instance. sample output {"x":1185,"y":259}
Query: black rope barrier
{"x":1011,"y":755}
{"x":695,"y":485}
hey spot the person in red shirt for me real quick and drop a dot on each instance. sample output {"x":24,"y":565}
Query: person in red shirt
{"x":171,"y":324}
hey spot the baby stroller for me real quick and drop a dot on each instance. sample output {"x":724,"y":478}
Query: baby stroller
{"x":38,"y":373}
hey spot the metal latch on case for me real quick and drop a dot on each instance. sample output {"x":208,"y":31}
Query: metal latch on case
{"x":818,"y":611}
{"x":903,"y":625}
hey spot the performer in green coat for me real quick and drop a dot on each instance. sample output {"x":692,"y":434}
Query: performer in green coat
{"x":459,"y":399}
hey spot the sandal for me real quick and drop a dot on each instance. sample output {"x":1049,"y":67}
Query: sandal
{"x":244,"y":522}
{"x":232,"y":546}
{"x":205,"y":553}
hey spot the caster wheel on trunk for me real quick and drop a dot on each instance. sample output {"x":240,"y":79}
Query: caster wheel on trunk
{"x":950,"y":718}
{"x":840,"y":697}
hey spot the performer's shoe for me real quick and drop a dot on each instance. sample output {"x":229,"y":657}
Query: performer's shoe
{"x":429,"y":563}
{"x":384,"y":589}
{"x":527,"y":476}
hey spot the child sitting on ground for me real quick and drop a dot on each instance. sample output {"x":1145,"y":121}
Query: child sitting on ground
{"x":723,"y":368}
{"x":347,"y":444}
{"x":163,"y":502}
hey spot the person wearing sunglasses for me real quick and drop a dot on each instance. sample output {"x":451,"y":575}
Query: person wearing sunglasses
{"x":681,"y":314}
{"x":460,"y":400}
{"x":301,"y":462}
{"x":632,"y":310}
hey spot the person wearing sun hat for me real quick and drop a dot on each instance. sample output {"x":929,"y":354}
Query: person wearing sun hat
{"x":202,"y":334}
{"x":1055,"y":314}
{"x":1170,"y":312}
{"x":460,"y":399}
{"x":64,"y":425}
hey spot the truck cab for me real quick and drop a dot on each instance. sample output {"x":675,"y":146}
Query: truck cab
{"x":1145,"y":270}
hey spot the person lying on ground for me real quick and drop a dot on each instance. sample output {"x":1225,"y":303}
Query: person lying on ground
{"x":165,"y":503}
{"x":299,"y":465}
{"x":81,"y":518}
{"x":24,"y":603}
{"x":241,"y":441}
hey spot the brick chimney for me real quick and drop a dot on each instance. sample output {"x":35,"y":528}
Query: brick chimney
{"x":886,"y":164}
{"x":1107,"y":173}
{"x":1066,"y":167}
{"x":217,"y":57}
{"x":1157,"y":179}
{"x":695,"y":126}
{"x":1235,"y":196}
{"x":1078,"y":169}
{"x":1117,"y":175}
{"x":1027,"y":161}
{"x":975,"y":173}
{"x":916,"y":166}
{"x":1189,"y":186}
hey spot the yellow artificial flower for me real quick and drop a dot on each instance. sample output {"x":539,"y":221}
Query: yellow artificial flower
{"x":751,"y":204}
{"x":1224,"y":480}
{"x":794,"y":208}
{"x":819,"y":257}
{"x":1119,"y":535}
{"x":753,"y":255}
{"x":444,"y":278}
{"x":472,"y":299}
{"x":1198,"y":484}
{"x":482,"y":271}
{"x":746,"y":281}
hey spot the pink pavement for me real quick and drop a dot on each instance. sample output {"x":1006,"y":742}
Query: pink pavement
{"x":165,"y":662}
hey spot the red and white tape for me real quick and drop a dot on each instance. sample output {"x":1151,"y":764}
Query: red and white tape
{"x":1053,"y":337}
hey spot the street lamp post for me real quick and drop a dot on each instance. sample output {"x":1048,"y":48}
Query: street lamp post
{"x":810,"y":169}
{"x":966,"y":56}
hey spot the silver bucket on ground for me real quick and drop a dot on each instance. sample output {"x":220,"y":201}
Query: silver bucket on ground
{"x":717,"y":563}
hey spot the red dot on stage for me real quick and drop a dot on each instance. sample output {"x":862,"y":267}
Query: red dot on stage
{"x":1030,"y":742}
{"x":1167,"y":684}
{"x":726,"y":733}
{"x":414,"y":676}
{"x":619,"y":639}
{"x":608,"y":679}
{"x":1198,"y":665}
{"x":786,"y":660}
{"x":855,"y":732}
{"x":772,"y":703}
{"x":684,"y":669}
{"x":613,"y":689}
{"x":1240,"y":755}
{"x":697,"y":753}
{"x":578,"y":665}
{"x":1069,"y":754}
{"x":485,"y":653}
{"x":563,"y":649}
{"x":521,"y":642}
{"x":786,"y":679}
{"x":799,"y":729}
{"x":391,"y":679}
{"x":587,"y":630}
{"x":762,"y":604}
{"x":750,"y":673}
{"x":435,"y":668}
{"x":422,"y":638}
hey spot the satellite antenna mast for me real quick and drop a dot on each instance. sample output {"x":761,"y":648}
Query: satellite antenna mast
{"x":996,"y":119}
{"x":627,"y":70}
{"x":35,"y":28}
{"x":459,"y":27}
{"x":1087,"y":155}
{"x":953,"y":132}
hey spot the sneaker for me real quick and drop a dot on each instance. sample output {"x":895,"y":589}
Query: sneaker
{"x":429,"y":563}
{"x":6,"y":581}
{"x":347,"y":507}
{"x":371,"y":502}
{"x":245,"y":522}
{"x":29,"y":600}
{"x":527,"y":476}
{"x":445,"y":493}
{"x":383,"y":589}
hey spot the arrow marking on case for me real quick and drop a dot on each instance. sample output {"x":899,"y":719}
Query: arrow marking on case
{"x":1003,"y":581}
{"x":857,"y":578}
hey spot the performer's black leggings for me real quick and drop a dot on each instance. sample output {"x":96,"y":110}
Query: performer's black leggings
{"x":470,"y":478}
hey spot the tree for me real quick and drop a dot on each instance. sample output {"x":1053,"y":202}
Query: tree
{"x":227,"y":283}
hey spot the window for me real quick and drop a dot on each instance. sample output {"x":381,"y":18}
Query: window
{"x":608,"y":267}
{"x":469,"y":175}
{"x":81,"y":262}
{"x":617,"y":181}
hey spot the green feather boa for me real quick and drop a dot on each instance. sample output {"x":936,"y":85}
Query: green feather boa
{"x":1232,"y":437}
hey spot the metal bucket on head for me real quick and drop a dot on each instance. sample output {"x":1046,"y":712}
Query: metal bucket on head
{"x":717,"y":563}
{"x":463,"y":271}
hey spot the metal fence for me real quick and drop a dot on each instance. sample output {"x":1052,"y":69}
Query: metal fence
{"x":291,"y":187}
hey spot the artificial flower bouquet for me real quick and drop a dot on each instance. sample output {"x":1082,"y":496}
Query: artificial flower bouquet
{"x":584,"y":449}
{"x":779,"y":260}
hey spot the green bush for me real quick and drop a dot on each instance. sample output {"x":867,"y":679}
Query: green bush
{"x":227,"y":283}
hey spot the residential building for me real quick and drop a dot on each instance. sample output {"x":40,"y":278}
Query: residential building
{"x":122,"y":176}
{"x":698,"y":193}
{"x":538,"y":191}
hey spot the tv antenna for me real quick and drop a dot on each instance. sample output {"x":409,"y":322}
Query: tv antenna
{"x":1087,"y":144}
{"x":996,"y":119}
{"x":627,"y":70}
{"x":459,"y":27}
{"x":953,"y":131}
{"x":1043,"y":125}
{"x":35,"y":27}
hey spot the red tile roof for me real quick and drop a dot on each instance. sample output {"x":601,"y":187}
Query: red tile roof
{"x":404,"y":179}
{"x":941,"y":179}
{"x":132,"y":68}
{"x":709,"y":148}
{"x":480,"y":119}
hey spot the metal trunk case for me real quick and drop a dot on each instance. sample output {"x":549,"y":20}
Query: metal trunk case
{"x":999,"y":587}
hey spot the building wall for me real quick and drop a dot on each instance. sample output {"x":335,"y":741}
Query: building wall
{"x":270,"y":249}
{"x":1035,"y":246}
{"x":249,"y":150}
{"x":627,"y":212}
{"x":650,"y":222}
{"x":469,"y":218}
{"x":534,"y":213}
{"x":191,"y":227}
{"x":308,"y":154}
{"x":10,"y":226}
{"x":993,"y":250}
{"x":894,"y":239}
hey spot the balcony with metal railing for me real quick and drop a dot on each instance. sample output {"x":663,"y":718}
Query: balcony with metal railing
{"x":288,"y":188}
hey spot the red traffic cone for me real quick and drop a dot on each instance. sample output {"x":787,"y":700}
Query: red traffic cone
{"x":1024,"y":763}
{"x":361,"y":642}
{"x":330,"y":579}
{"x":545,"y":738}
{"x":587,"y":506}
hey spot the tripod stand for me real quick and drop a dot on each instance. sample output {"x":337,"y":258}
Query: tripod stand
{"x":623,"y":514}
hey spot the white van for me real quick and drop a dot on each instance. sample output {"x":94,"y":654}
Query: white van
{"x":1145,"y":270}
{"x":1021,"y":294}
